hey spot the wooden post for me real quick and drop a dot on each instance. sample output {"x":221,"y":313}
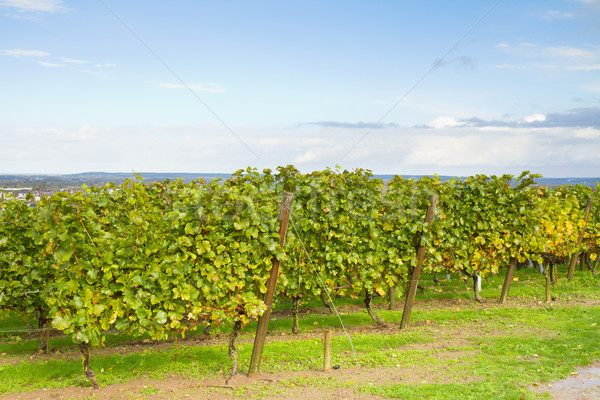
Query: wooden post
{"x":588,"y":208}
{"x":47,"y":344}
{"x":477,"y":287}
{"x":263,"y":321}
{"x":327,"y":351}
{"x":43,"y":329}
{"x":508,"y":279}
{"x":412,"y":289}
{"x":295,"y":311}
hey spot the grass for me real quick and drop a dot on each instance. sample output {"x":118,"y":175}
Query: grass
{"x":450,"y":391}
{"x":492,"y":352}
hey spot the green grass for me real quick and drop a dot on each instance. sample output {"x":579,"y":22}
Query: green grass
{"x":529,"y":284}
{"x":450,"y":391}
{"x":502,"y":351}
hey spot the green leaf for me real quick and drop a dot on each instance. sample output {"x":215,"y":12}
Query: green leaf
{"x":61,"y":322}
{"x":161,"y":317}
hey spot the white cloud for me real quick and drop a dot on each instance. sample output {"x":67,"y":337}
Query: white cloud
{"x":593,"y":87}
{"x":48,"y":6}
{"x":73,"y":61}
{"x":510,"y":66}
{"x":81,"y":134}
{"x":554,"y":52}
{"x":20,"y":53}
{"x":553,"y":14}
{"x":507,"y":150}
{"x":567,"y":58}
{"x":535,"y":118}
{"x":99,"y":70}
{"x":444,"y":122}
{"x":308,"y":156}
{"x":36,"y":55}
{"x":586,"y":68}
{"x":51,"y":65}
{"x":571,"y":52}
{"x":95,"y":72}
{"x":590,"y":2}
{"x":587,"y":133}
{"x":455,"y":150}
{"x":471,"y":149}
{"x":208,"y":88}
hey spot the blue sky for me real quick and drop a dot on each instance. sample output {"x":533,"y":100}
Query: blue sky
{"x":453,"y":88}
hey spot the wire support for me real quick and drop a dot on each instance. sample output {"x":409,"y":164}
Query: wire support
{"x":435,"y":65}
{"x":3,"y":295}
{"x":325,"y":290}
{"x":33,"y":330}
{"x":473,"y":299}
{"x":189,"y":89}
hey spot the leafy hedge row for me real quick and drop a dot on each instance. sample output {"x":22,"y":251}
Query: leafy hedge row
{"x":161,"y":258}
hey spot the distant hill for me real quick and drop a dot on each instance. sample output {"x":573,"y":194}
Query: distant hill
{"x":74,"y":181}
{"x":71,"y":181}
{"x":541,"y":181}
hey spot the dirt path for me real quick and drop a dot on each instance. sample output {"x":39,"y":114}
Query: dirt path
{"x":581,"y":385}
{"x":308,"y":385}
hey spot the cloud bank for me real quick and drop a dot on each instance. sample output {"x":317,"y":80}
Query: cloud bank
{"x":575,"y":118}
{"x":46,"y":59}
{"x":351,"y":125}
{"x":47,"y":6}
{"x":562,"y":144}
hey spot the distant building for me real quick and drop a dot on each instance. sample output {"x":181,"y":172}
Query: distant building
{"x":19,"y":193}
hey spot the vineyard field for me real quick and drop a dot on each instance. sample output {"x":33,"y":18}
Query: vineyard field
{"x":167,"y":260}
{"x":455,"y":347}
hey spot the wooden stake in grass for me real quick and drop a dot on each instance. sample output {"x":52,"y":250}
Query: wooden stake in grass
{"x":327,"y":351}
{"x":412,"y":289}
{"x":47,"y":343}
{"x":295,"y":311}
{"x":588,"y":208}
{"x":477,"y":287}
{"x":85,"y":355}
{"x":508,"y":279}
{"x":44,"y":329}
{"x":263,"y":322}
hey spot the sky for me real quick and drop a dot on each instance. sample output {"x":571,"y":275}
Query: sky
{"x":396,"y":87}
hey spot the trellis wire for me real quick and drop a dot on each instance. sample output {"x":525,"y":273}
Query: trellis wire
{"x":325,"y":289}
